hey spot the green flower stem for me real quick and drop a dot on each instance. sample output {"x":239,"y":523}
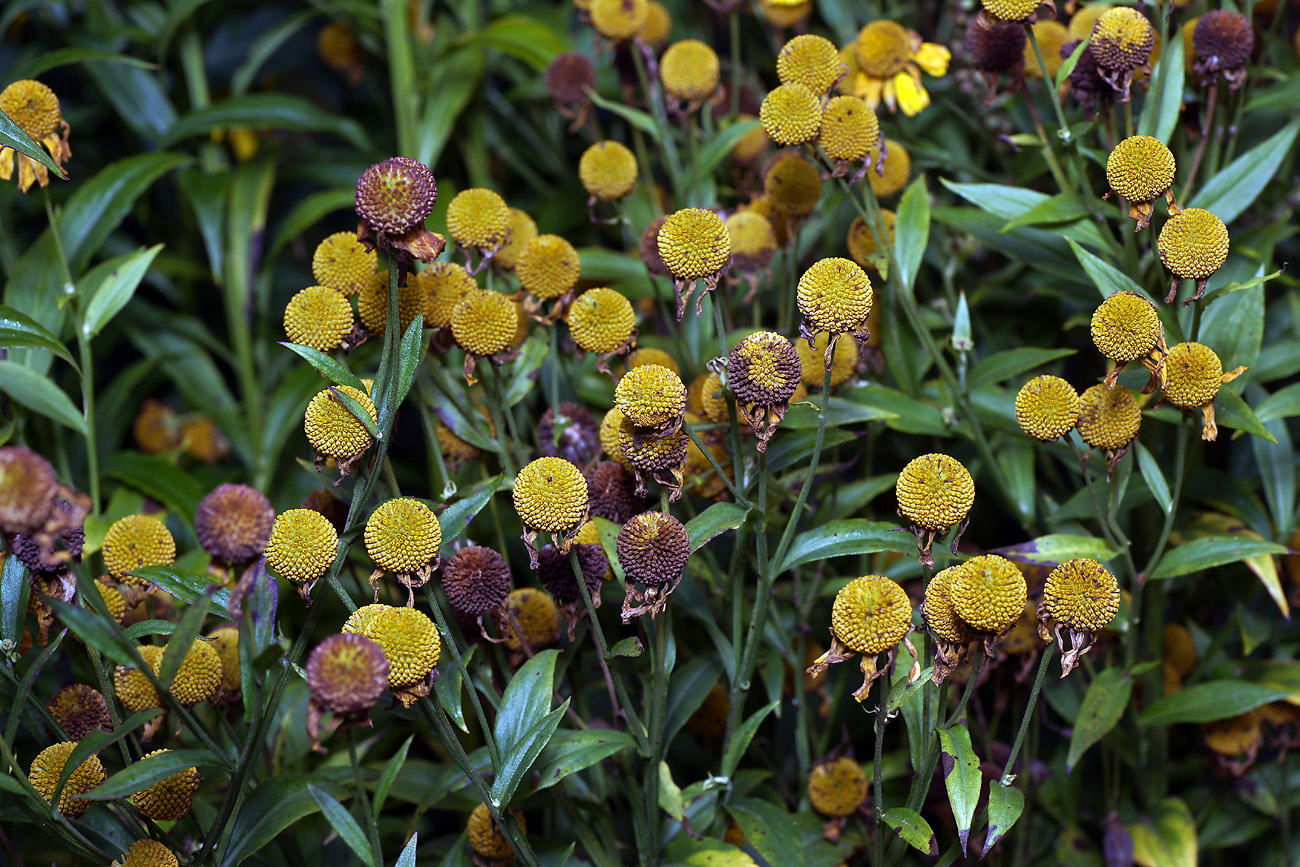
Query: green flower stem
{"x":1180,"y":476}
{"x":441,"y":479}
{"x":693,"y":148}
{"x":766,"y":577}
{"x":741,"y":499}
{"x":658,"y":699}
{"x":878,"y":785}
{"x":733,"y":421}
{"x":666,"y":139}
{"x":1049,"y":652}
{"x":976,"y":664}
{"x":1065,"y":134}
{"x":1114,"y":536}
{"x":734,"y":25}
{"x":372,"y":828}
{"x":449,"y":642}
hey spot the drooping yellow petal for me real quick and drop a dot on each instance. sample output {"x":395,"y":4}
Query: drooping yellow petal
{"x":6,"y":163}
{"x":872,"y":90}
{"x":889,"y":97}
{"x":912,"y":97}
{"x":933,"y":58}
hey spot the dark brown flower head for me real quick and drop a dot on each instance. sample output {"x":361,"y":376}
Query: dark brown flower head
{"x":330,"y":506}
{"x":556,"y":572}
{"x":995,"y":46}
{"x":1222,"y":43}
{"x":653,"y":548}
{"x":476,"y":580}
{"x":80,"y":710}
{"x":568,"y":76}
{"x":45,"y":552}
{"x":393,"y":199}
{"x":347,"y":673}
{"x":1086,"y":82}
{"x":233,"y":523}
{"x":576,"y":437}
{"x":27,"y":488}
{"x":611,"y":490}
{"x":650,"y":247}
{"x":763,"y":369}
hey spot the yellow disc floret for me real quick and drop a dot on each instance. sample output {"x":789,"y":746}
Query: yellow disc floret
{"x":406,"y":635}
{"x":1047,"y":407}
{"x":135,"y":542}
{"x":651,"y":396}
{"x":551,"y":494}
{"x":608,"y":170}
{"x":484,"y":322}
{"x":689,"y":70}
{"x":444,"y":284}
{"x":935,"y":492}
{"x":199,"y":676}
{"x":548,"y":267}
{"x":850,"y":129}
{"x":486,"y":839}
{"x":147,"y":853}
{"x":225,"y":641}
{"x":791,"y":114}
{"x":1194,"y":375}
{"x":1140,"y":168}
{"x":989,"y":593}
{"x":837,"y":788}
{"x":793,"y":185}
{"x":372,"y":303}
{"x":318,"y":317}
{"x":302,"y":546}
{"x":693,"y":243}
{"x":812,"y":360}
{"x":834,"y":295}
{"x":897,"y":169}
{"x":402,"y":535}
{"x":342,"y":263}
{"x":882,"y":49}
{"x":1082,"y":595}
{"x":1125,"y":327}
{"x":478,"y":218}
{"x":601,"y":320}
{"x":1122,"y":39}
{"x":861,"y":240}
{"x":1193,"y":244}
{"x":1233,"y":736}
{"x":132,"y":687}
{"x":48,"y":767}
{"x":521,"y":229}
{"x":33,"y":106}
{"x":938,"y":613}
{"x":332,"y":429}
{"x":812,"y":61}
{"x":1010,"y":10}
{"x":1108,"y":417}
{"x":536,"y":616}
{"x":169,"y":799}
{"x":871,"y":614}
{"x":617,"y":20}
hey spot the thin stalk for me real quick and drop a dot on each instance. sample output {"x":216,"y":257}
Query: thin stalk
{"x":363,"y":799}
{"x":1048,"y":653}
{"x":733,"y":433}
{"x":741,"y":499}
{"x":449,"y":642}
{"x":976,"y":664}
{"x":767,"y":573}
{"x":658,"y":699}
{"x":693,"y":148}
{"x":878,"y":785}
{"x":787,"y":535}
{"x":1064,"y":133}
{"x":1180,"y":475}
{"x":1207,"y":126}
{"x":735,"y":62}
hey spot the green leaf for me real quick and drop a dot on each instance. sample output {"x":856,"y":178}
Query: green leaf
{"x":1232,"y":411}
{"x":40,"y":395}
{"x":1009,"y":203}
{"x":15,"y":585}
{"x":95,"y":742}
{"x":527,"y":699}
{"x":1016,"y":463}
{"x":262,"y":814}
{"x":1164,"y":99}
{"x":520,"y":36}
{"x":516,"y":761}
{"x":770,"y":830}
{"x":391,"y":770}
{"x":524,"y":368}
{"x":570,"y":752}
{"x":116,"y":288}
{"x":630,"y":647}
{"x":259,"y":110}
{"x":1102,"y":707}
{"x":1235,"y":286}
{"x":264,"y":47}
{"x":308,"y":213}
{"x":1168,"y":837}
{"x":145,"y":628}
{"x":207,"y":195}
{"x":1067,"y":67}
{"x":1154,"y":478}
{"x":455,"y":518}
{"x":720,"y":146}
{"x":1055,"y":549}
{"x":670,"y":794}
{"x":176,"y":489}
{"x":342,"y":821}
{"x":605,"y":267}
{"x":1210,"y":551}
{"x":685,"y":851}
{"x":739,"y":741}
{"x":187,"y":586}
{"x":913,"y":828}
{"x":961,"y":777}
{"x":636,"y":117}
{"x":962,"y":340}
{"x":844,"y":538}
{"x":912,"y":231}
{"x":407,"y":858}
{"x":1062,"y":208}
{"x":91,"y":628}
{"x":1210,"y":701}
{"x":356,"y":410}
{"x":181,"y":640}
{"x":687,"y":688}
{"x":20,"y":331}
{"x":12,"y":136}
{"x":443,"y":105}
{"x":1229,"y":193}
{"x":901,"y":690}
{"x":142,"y":774}
{"x":448,"y":689}
{"x":1106,"y":277}
{"x":328,"y":366}
{"x":717,"y":519}
{"x":1283,"y":403}
{"x":47,"y":60}
{"x":839,"y":412}
{"x":1006,"y":803}
{"x":1011,"y":362}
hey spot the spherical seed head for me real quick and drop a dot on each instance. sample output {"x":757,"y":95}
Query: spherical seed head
{"x":132,"y":687}
{"x":988,"y":592}
{"x":784,"y":15}
{"x":1108,"y":417}
{"x":48,"y":767}
{"x":752,"y":145}
{"x":689,"y":70}
{"x":1122,"y":39}
{"x":548,"y":267}
{"x":1085,"y":19}
{"x":302,"y":545}
{"x":693,"y":243}
{"x":861,"y":241}
{"x":1193,"y":244}
{"x":850,"y":129}
{"x":536,"y":615}
{"x":395,"y":195}
{"x":556,"y":572}
{"x":653,"y":548}
{"x":610,"y":425}
{"x":520,"y":229}
{"x":649,"y":246}
{"x":1232,"y":736}
{"x":617,"y":20}
{"x":812,"y":61}
{"x":204,"y":440}
{"x":347,"y":672}
{"x":1193,"y":371}
{"x":568,"y":76}
{"x":607,"y":171}
{"x":486,"y":838}
{"x":342,"y":263}
{"x":337,"y":48}
{"x":938,"y":613}
{"x":407,"y":637}
{"x":898,"y":169}
{"x":651,"y":453}
{"x":601,"y":320}
{"x":837,"y":788}
{"x":550,"y":494}
{"x":575,"y":437}
{"x":225,"y":641}
{"x":935,"y":492}
{"x":1179,"y":649}
{"x":713,"y":398}
{"x":441,"y":286}
{"x":710,"y":719}
{"x":113,"y":600}
{"x":1082,"y":595}
{"x":658,"y":24}
{"x":32,"y":106}
{"x":1085,"y":79}
{"x":27,"y":488}
{"x":791,"y":114}
{"x":134,"y":542}
{"x":156,"y":427}
{"x":372,"y":303}
{"x":51,"y":555}
{"x":484,"y":323}
{"x":1140,"y":168}
{"x":752,"y":240}
{"x":80,"y":710}
{"x":764,"y":369}
{"x":318,"y":317}
{"x":169,"y":799}
{"x":870,"y":615}
{"x":1047,"y":407}
{"x":476,"y":580}
{"x":478,"y":218}
{"x":1279,"y":713}
{"x":234,"y":522}
{"x":1051,"y":35}
{"x":332,"y":429}
{"x":199,"y":676}
{"x":650,"y":396}
{"x":651,"y":355}
{"x":793,"y":184}
{"x":834,"y":295}
{"x":996,"y":46}
{"x":882,"y":48}
{"x":147,"y":853}
{"x":1125,"y":327}
{"x":611,"y":491}
{"x":1223,"y":40}
{"x":402,"y":535}
{"x":1010,"y":10}
{"x":812,"y":363}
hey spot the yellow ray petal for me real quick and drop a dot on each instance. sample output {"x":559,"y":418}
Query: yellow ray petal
{"x":912,"y":97}
{"x":933,"y":58}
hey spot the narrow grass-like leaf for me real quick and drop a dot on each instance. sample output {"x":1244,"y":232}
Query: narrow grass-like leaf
{"x":188,"y":586}
{"x":328,"y":366}
{"x":1234,"y":412}
{"x":740,"y":739}
{"x":13,"y":136}
{"x":1159,"y":115}
{"x":448,"y":689}
{"x":15,"y":585}
{"x":359,"y":412}
{"x":1102,"y":707}
{"x":40,"y":395}
{"x":391,"y":770}
{"x":118,"y":285}
{"x":1234,"y":189}
{"x":526,"y":700}
{"x":20,"y":331}
{"x":95,"y":742}
{"x":845,"y":538}
{"x":1001,"y":366}
{"x":274,"y":110}
{"x":144,"y":773}
{"x":516,"y":762}
{"x":407,"y":858}
{"x":1154,"y":478}
{"x":1209,"y":552}
{"x":1210,"y":701}
{"x":178,"y":645}
{"x":570,"y":752}
{"x":91,"y":629}
{"x":175,"y":488}
{"x":912,"y":231}
{"x":455,"y":518}
{"x":770,"y":830}
{"x":717,"y":519}
{"x":342,"y":821}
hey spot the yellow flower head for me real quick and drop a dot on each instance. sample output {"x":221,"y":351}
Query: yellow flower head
{"x":850,"y":129}
{"x":1194,"y":375}
{"x":520,"y":229}
{"x":810,"y":60}
{"x":1193,"y":244}
{"x":302,"y":547}
{"x":694,"y":243}
{"x":35,"y":109}
{"x":372,"y":303}
{"x":791,"y":114}
{"x":442,"y":285}
{"x":1084,"y":20}
{"x":689,"y":70}
{"x":608,"y":170}
{"x":752,"y":240}
{"x":834,"y":295}
{"x":147,"y":853}
{"x":1081,"y":595}
{"x":1140,"y":168}
{"x":1233,"y":736}
{"x":713,"y":398}
{"x":601,"y":320}
{"x":132,"y":688}
{"x":780,"y":13}
{"x":1011,"y":10}
{"x":478,"y":218}
{"x":1122,"y":39}
{"x":651,"y":454}
{"x":658,"y":24}
{"x":938,"y":613}
{"x":536,"y":616}
{"x":617,"y":20}
{"x":155,"y":427}
{"x":46,"y":769}
{"x":225,"y":641}
{"x":199,"y":676}
{"x":935,"y":492}
{"x":870,"y":615}
{"x":332,"y":429}
{"x":1051,"y":35}
{"x":486,"y":839}
{"x":318,"y":317}
{"x":752,"y":145}
{"x":988,"y":593}
{"x":408,"y":638}
{"x":1108,"y":417}
{"x":134,"y":542}
{"x":402,"y":536}
{"x":610,"y":425}
{"x":837,"y":788}
{"x":897,"y":169}
{"x":651,"y":397}
{"x":861,"y":241}
{"x":649,"y":355}
{"x":1047,"y":407}
{"x":764,"y":369}
{"x":551,"y":494}
{"x":548,"y":267}
{"x":342,"y":263}
{"x":484,"y":322}
{"x":113,"y":600}
{"x":793,"y":184}
{"x":1125,"y":327}
{"x":812,"y":364}
{"x":885,"y":64}
{"x":169,"y":799}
